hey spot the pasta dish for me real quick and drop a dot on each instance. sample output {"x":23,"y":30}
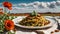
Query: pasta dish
{"x":34,"y":20}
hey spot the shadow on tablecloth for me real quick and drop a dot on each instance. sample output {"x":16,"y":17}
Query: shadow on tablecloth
{"x":29,"y":30}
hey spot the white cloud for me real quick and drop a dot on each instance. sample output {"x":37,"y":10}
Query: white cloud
{"x":29,"y":7}
{"x":58,"y":3}
{"x":38,"y":4}
{"x":23,"y":4}
{"x":52,"y":4}
{"x":43,"y":4}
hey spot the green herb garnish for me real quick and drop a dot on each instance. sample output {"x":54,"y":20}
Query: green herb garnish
{"x":33,"y":13}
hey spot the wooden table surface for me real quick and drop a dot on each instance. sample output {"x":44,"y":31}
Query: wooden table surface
{"x":26,"y":14}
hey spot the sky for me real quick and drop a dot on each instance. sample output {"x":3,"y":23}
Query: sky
{"x":27,"y":6}
{"x":26,"y":1}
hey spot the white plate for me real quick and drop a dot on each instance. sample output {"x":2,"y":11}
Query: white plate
{"x":18,"y":19}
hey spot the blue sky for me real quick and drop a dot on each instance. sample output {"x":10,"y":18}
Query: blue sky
{"x":26,"y":1}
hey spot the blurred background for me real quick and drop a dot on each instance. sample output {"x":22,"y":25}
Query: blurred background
{"x":27,"y":6}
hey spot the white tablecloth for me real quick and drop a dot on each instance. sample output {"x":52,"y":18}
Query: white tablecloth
{"x":48,"y":31}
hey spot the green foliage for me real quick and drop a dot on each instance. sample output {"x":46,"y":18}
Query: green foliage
{"x":2,"y":18}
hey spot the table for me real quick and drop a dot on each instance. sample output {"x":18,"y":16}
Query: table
{"x":26,"y":14}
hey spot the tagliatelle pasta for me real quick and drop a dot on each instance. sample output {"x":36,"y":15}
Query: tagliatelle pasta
{"x":34,"y":21}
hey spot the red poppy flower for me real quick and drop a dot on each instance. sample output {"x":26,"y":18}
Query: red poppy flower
{"x":7,"y":4}
{"x":9,"y":24}
{"x":10,"y":8}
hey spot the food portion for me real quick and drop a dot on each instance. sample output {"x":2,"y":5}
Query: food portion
{"x":34,"y":19}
